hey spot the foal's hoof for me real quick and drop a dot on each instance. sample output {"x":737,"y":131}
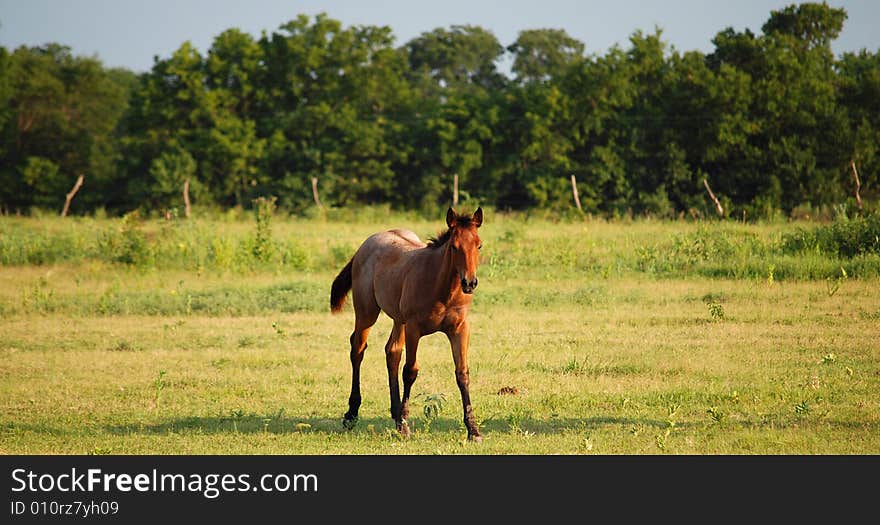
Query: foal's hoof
{"x":475,"y":438}
{"x":403,"y":428}
{"x":349,"y":422}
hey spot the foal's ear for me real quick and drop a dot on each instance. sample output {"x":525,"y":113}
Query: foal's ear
{"x":450,"y":218}
{"x":477,"y":219}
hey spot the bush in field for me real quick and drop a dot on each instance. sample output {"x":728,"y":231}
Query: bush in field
{"x":714,"y":251}
{"x":703,"y":245}
{"x":843,"y":238}
{"x":21,"y":247}
{"x":126,"y":244}
{"x":263,"y":247}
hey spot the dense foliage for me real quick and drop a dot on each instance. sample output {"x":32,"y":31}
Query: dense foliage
{"x":771,"y":120}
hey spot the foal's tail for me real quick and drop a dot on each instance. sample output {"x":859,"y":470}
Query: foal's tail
{"x":340,"y":288}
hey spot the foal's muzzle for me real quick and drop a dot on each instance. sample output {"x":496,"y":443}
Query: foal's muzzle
{"x":468,"y":286}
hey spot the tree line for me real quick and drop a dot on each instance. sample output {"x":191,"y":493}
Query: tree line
{"x":773,"y":121}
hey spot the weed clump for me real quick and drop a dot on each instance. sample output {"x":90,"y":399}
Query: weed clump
{"x":845,"y":238}
{"x":127,"y":244}
{"x":263,"y":246}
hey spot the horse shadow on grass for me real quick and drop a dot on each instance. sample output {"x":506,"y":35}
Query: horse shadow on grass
{"x":282,"y":424}
{"x":247,"y":424}
{"x":383,"y":426}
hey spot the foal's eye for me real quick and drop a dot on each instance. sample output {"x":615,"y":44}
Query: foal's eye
{"x":480,"y":247}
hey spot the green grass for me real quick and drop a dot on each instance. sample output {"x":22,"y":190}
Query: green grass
{"x":588,"y":338}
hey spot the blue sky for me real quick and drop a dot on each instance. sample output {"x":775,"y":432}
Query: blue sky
{"x":129,"y":33}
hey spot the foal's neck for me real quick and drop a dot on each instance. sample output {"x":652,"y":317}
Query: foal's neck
{"x":447,"y":283}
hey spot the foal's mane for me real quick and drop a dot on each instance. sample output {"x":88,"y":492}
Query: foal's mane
{"x":462,"y":221}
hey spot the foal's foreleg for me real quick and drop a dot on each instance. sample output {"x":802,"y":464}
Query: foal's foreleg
{"x":459,"y":339}
{"x":393,"y":351}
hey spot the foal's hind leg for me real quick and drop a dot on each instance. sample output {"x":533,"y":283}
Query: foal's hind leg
{"x":393,"y":350}
{"x":364,"y":318}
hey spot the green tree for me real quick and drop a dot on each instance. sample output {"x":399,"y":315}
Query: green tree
{"x":335,"y":94}
{"x":787,"y":146}
{"x":772,"y":120}
{"x":811,"y":25}
{"x":453,"y":127}
{"x":460,"y":56}
{"x":806,"y":151}
{"x":859,"y":95}
{"x":543,"y":54}
{"x":169,"y":171}
{"x":43,"y":179}
{"x":64,"y":110}
{"x":169,"y":112}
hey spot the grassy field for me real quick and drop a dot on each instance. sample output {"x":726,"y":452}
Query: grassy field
{"x":589,"y":337}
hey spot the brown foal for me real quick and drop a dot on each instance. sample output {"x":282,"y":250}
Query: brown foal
{"x":424,"y":288}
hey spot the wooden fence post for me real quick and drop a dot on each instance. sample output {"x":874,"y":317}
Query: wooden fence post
{"x":186,"y":198}
{"x":718,"y":207}
{"x":76,"y":187}
{"x":574,"y":190}
{"x":315,"y":192}
{"x":455,"y":190}
{"x":858,"y":184}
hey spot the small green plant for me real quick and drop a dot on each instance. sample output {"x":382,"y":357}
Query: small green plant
{"x":159,"y":384}
{"x":716,"y":311}
{"x":802,"y":408}
{"x":671,"y":412}
{"x":573,"y":366}
{"x":514,"y":421}
{"x":833,"y":285}
{"x":829,"y":358}
{"x":660,"y":439}
{"x":587,"y":444}
{"x":278,"y":330}
{"x":172,"y":327}
{"x":734,"y":396}
{"x":122,"y":346}
{"x":39,"y":298}
{"x":236,"y":415}
{"x":770,"y":277}
{"x":220,"y":363}
{"x":432,"y":406}
{"x":716,"y":414}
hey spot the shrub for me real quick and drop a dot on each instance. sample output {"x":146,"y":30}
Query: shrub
{"x":844,"y":237}
{"x":263,"y":247}
{"x":127,"y":244}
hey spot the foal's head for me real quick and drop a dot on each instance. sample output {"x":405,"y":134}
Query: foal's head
{"x":465,"y":245}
